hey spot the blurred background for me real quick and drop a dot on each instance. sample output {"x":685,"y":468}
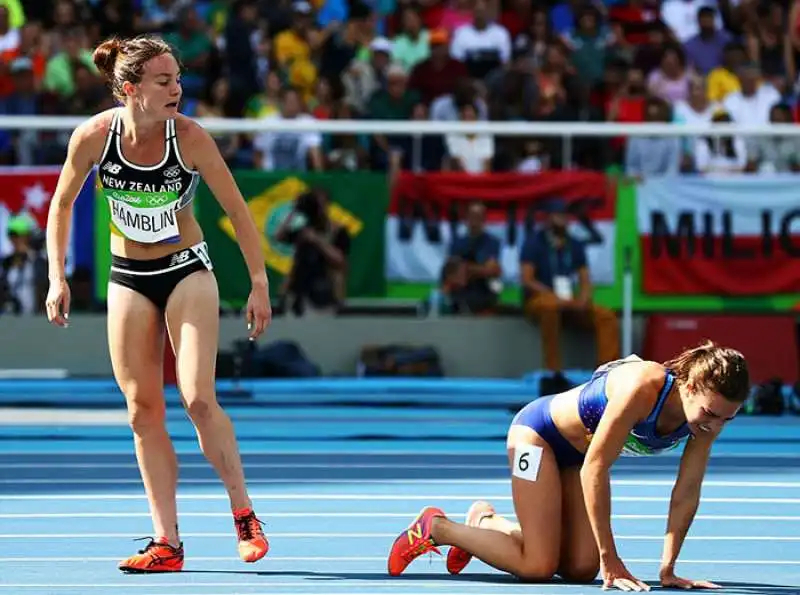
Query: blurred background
{"x":512,"y":190}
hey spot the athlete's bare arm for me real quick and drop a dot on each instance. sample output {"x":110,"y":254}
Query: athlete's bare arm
{"x":201,"y":152}
{"x":633,"y":394}
{"x":84,"y":147}
{"x":685,"y":498}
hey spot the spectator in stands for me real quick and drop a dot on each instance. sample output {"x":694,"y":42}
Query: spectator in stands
{"x":456,"y":13}
{"x":589,"y":44}
{"x":480,"y":253}
{"x":752,"y":104}
{"x":363,"y":79}
{"x":318,"y":279}
{"x":396,"y":102}
{"x":415,"y":153}
{"x":240,"y":53}
{"x":59,"y":76}
{"x":216,"y":103}
{"x":682,"y":17}
{"x":30,"y":46}
{"x":89,"y":95}
{"x":23,"y":273}
{"x":705,"y":51}
{"x":412,"y":46}
{"x":193,"y":47}
{"x":697,"y":111}
{"x":440,"y":73}
{"x":292,"y":44}
{"x":670,"y":81}
{"x":470,"y":153}
{"x":445,"y":107}
{"x":769,"y":46}
{"x":288,"y":151}
{"x":557,"y":289}
{"x":23,"y":101}
{"x":648,"y":156}
{"x":512,"y":89}
{"x":720,"y":154}
{"x":481,"y":45}
{"x":9,"y":36}
{"x":774,"y":153}
{"x":448,"y":298}
{"x":268,"y":101}
{"x":724,"y":80}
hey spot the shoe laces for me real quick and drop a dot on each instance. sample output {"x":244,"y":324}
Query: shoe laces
{"x":420,"y":548}
{"x":248,"y":526}
{"x":176,"y":552}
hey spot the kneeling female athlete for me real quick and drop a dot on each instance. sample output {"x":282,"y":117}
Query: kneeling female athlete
{"x":149,"y":161}
{"x":560,"y":450}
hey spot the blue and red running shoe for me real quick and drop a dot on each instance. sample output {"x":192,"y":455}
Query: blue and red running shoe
{"x":457,"y":559}
{"x":415,"y":541}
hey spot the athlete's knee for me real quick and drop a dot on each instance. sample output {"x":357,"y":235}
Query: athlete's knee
{"x":537,"y":567}
{"x":144,"y":413}
{"x":580,"y":571}
{"x":200,"y":409}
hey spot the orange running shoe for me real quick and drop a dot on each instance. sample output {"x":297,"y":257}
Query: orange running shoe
{"x":157,"y":556}
{"x":253,"y":545}
{"x":414,"y":541}
{"x":457,"y":559}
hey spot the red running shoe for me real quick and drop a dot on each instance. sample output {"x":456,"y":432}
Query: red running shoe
{"x":414,"y":541}
{"x":253,"y":545}
{"x":157,"y":556}
{"x":457,"y":559}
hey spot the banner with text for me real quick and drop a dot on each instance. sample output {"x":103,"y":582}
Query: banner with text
{"x":358,"y":202}
{"x":726,"y":236}
{"x":426,"y":212}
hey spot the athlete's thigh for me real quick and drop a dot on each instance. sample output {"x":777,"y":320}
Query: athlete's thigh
{"x":136,"y":345}
{"x":193,"y":324}
{"x":537,"y":500}
{"x":580,"y":559}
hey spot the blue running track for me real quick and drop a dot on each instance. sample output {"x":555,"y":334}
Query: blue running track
{"x":337,"y":471}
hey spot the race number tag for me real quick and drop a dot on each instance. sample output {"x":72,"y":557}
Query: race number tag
{"x":527,"y":459}
{"x":201,"y":251}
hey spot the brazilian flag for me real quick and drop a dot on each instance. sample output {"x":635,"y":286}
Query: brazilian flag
{"x":359,"y":201}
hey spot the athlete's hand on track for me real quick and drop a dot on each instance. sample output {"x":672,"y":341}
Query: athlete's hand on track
{"x":616,"y":575}
{"x":57,"y":303}
{"x":668,"y":579}
{"x":259,"y":311}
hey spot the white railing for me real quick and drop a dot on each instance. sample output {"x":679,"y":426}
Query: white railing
{"x":426,"y":127}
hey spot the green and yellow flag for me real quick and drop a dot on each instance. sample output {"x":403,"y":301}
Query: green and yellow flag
{"x":358,"y":202}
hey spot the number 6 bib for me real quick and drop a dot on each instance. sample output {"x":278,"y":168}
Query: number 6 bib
{"x":527,"y":459}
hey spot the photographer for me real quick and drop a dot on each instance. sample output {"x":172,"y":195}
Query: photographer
{"x":318,"y":277}
{"x":23,"y":273}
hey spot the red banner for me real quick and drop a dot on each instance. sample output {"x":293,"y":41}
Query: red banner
{"x":723,"y":237}
{"x":426,"y":210}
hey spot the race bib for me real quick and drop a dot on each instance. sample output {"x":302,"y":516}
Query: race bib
{"x":527,"y":459}
{"x":562,"y":287}
{"x":201,"y":251}
{"x":144,"y":217}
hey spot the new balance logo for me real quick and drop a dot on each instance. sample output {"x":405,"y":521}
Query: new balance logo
{"x":112,"y":168}
{"x":180,"y":258}
{"x":414,"y":533}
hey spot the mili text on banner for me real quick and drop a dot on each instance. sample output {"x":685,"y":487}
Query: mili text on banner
{"x":426,"y":211}
{"x":728,"y":236}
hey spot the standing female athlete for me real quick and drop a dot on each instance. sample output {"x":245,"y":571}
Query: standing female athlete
{"x":560,"y":450}
{"x":149,"y":161}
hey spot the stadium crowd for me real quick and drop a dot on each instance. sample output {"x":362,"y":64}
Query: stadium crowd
{"x":687,"y":61}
